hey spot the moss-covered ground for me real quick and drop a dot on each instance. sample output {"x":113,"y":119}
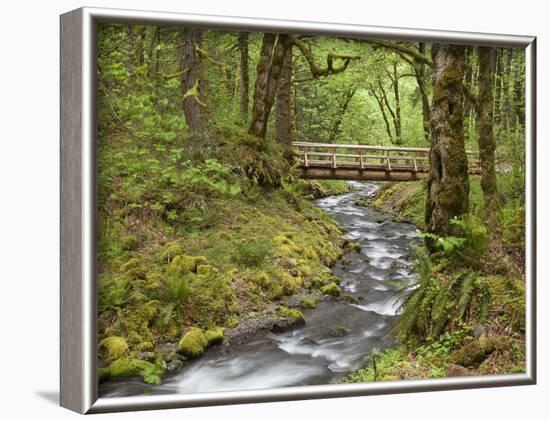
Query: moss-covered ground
{"x":182,"y":260}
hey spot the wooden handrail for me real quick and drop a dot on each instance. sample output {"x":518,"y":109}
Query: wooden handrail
{"x":300,"y":145}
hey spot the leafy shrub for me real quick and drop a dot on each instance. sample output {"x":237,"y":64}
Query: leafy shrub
{"x":513,"y":226}
{"x":467,"y":247}
{"x":440,"y":303}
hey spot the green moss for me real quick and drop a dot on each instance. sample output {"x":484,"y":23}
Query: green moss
{"x":112,"y":348}
{"x":292,"y":313}
{"x":170,"y":251}
{"x":129,"y":242}
{"x":214,"y":335}
{"x":128,"y":367}
{"x":204,"y":269}
{"x":145,"y":346}
{"x":353,"y":246}
{"x":361,"y":202}
{"x":193,"y":343}
{"x":308,"y":302}
{"x":132,"y":263}
{"x":331,"y":289}
{"x":181,"y":264}
{"x":232,"y":321}
{"x":476,"y":351}
{"x":337,"y":330}
{"x":281,"y":240}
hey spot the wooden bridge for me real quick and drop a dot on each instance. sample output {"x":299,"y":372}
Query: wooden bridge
{"x":365,"y":162}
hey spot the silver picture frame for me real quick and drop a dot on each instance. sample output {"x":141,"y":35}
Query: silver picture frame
{"x":78,"y":318}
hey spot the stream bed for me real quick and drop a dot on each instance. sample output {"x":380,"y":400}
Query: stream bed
{"x":337,"y":336}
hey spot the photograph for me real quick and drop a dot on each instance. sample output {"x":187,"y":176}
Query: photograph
{"x":288,"y":209}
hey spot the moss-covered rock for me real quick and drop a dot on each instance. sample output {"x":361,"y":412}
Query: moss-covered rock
{"x":331,"y":289}
{"x":193,"y":343}
{"x":130,"y":367}
{"x":112,"y":348}
{"x":214,"y":335}
{"x":473,"y":353}
{"x":337,"y":331}
{"x":293,"y":314}
{"x":170,"y":251}
{"x":308,"y":302}
{"x":361,"y":202}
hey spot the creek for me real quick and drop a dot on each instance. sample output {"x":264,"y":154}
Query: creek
{"x":337,"y":336}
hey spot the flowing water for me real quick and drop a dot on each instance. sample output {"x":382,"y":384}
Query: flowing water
{"x":337,"y":336}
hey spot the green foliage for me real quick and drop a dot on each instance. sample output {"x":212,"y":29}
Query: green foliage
{"x":513,"y":226}
{"x":468,"y":247}
{"x":441,"y":303}
{"x":252,"y":253}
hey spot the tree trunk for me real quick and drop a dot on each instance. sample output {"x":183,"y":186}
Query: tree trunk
{"x":486,"y":140}
{"x":383,"y":111}
{"x":498,"y":90}
{"x":506,"y":103}
{"x":343,"y":107}
{"x":396,"y":126}
{"x":243,"y":48}
{"x":267,"y":79}
{"x":519,"y":89}
{"x":260,"y":85}
{"x":192,"y":71}
{"x":420,"y":72}
{"x":283,"y":122}
{"x":448,"y":186}
{"x":397,"y":119}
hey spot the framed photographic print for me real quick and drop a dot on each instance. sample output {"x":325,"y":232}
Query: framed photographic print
{"x":258,"y":210}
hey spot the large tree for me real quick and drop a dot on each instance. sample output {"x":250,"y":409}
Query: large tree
{"x":283,"y":112}
{"x":244,"y":79}
{"x":486,"y":140}
{"x":448,"y":185}
{"x":268,"y":72}
{"x":192,"y":73}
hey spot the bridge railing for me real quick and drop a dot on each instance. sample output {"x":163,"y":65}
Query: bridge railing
{"x":387,"y":158}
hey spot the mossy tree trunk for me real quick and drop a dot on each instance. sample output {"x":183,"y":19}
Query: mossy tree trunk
{"x":245,"y":82}
{"x":341,"y":112}
{"x":420,"y":72}
{"x":192,"y":73}
{"x":397,"y":116}
{"x":283,"y":122}
{"x":486,"y":140}
{"x":448,"y":186}
{"x":267,"y":79}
